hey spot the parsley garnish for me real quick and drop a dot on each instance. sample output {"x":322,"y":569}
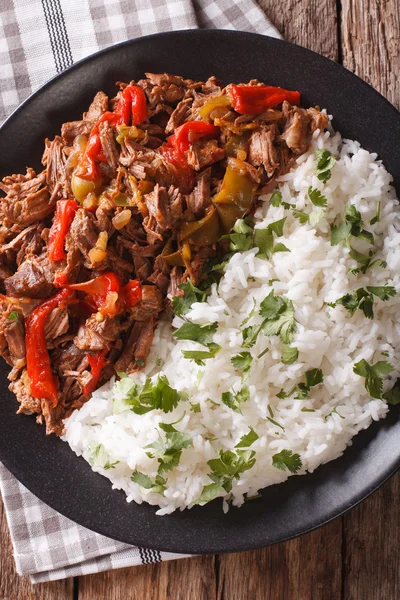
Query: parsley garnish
{"x":157,"y":487}
{"x":250,"y":335}
{"x":317,"y":197}
{"x":13,"y":316}
{"x":313,"y":377}
{"x":248,"y":439}
{"x":234,"y":401}
{"x":324,"y":162}
{"x":100,"y":458}
{"x":285,"y":459}
{"x":289,"y":355}
{"x":210,"y":492}
{"x":352,"y":225}
{"x":182,"y":304}
{"x":168,"y":451}
{"x":199,"y":356}
{"x":364,"y":299}
{"x":373,"y":375}
{"x":202,"y":334}
{"x":276,"y":198}
{"x":264,"y":239}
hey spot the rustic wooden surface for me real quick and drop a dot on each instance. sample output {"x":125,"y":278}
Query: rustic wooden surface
{"x":356,"y":557}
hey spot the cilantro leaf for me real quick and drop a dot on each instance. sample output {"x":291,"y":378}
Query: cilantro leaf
{"x":247,"y":439}
{"x":373,"y":375}
{"x":324,"y":162}
{"x":383,"y":292}
{"x":277,"y":226}
{"x":242,"y":362}
{"x":289,"y":355}
{"x":272,"y":306}
{"x":234,"y":401}
{"x":276,"y":198}
{"x":364,"y":299}
{"x":392,"y":397}
{"x":279,"y":247}
{"x":210,"y":492}
{"x":317,"y":197}
{"x":340,"y":232}
{"x":99,"y":457}
{"x":13,"y":316}
{"x":142,"y":399}
{"x":199,"y":356}
{"x":250,"y":335}
{"x":203,"y":334}
{"x":168,"y":451}
{"x":285,"y":459}
{"x":301,"y":216}
{"x":231,"y":464}
{"x":264,"y":241}
{"x":141,"y":479}
{"x":314,"y":377}
{"x":284,"y":325}
{"x":182,"y":304}
{"x":315,"y":216}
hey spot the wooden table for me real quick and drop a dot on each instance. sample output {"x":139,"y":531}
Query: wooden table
{"x":357,"y":557}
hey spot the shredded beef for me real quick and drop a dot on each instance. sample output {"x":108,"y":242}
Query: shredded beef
{"x":158,"y":182}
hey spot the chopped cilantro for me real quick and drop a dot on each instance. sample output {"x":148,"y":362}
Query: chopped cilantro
{"x":264,"y":241}
{"x":199,"y":356}
{"x":203,"y":334}
{"x":168,"y":451}
{"x":324,"y":162}
{"x":278,"y":313}
{"x":234,"y":401}
{"x":242,"y":362}
{"x":340,"y":232}
{"x":142,"y":399}
{"x":157,"y":487}
{"x":289,"y":355}
{"x":276,"y":198}
{"x":13,"y":316}
{"x":195,"y":408}
{"x":373,"y":375}
{"x":317,"y":197}
{"x":364,"y":299}
{"x":272,"y":306}
{"x":210,"y":492}
{"x":250,"y":335}
{"x":285,"y":459}
{"x":392,"y":397}
{"x":247,"y":439}
{"x":301,"y":216}
{"x":275,"y":423}
{"x":231,"y":464}
{"x":100,"y":458}
{"x":182,"y":304}
{"x":263,"y":352}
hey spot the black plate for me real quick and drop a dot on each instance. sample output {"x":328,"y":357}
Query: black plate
{"x":46,"y":465}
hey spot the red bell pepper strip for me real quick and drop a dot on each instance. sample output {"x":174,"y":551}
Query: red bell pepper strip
{"x":179,"y":143}
{"x":254,"y":99}
{"x":190,"y":132}
{"x":132,"y":101}
{"x":99,"y":288}
{"x":60,"y":280}
{"x":97,"y":363}
{"x":43,"y":383}
{"x":65,"y":212}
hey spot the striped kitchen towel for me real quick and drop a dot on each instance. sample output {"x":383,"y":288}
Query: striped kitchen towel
{"x":38,"y":39}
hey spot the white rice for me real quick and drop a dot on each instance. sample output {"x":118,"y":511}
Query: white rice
{"x":313,"y":274}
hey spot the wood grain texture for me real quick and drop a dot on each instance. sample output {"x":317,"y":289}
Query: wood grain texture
{"x":185,"y":579}
{"x":14,"y":587}
{"x":371,"y":546}
{"x":309,"y":23}
{"x":307,"y":568}
{"x":370,"y":31}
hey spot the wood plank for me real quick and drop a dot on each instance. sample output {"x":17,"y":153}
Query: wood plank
{"x":371,"y":540}
{"x":309,"y":23}
{"x":307,"y":568}
{"x":182,"y":579}
{"x":370,"y":40}
{"x":14,"y":587}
